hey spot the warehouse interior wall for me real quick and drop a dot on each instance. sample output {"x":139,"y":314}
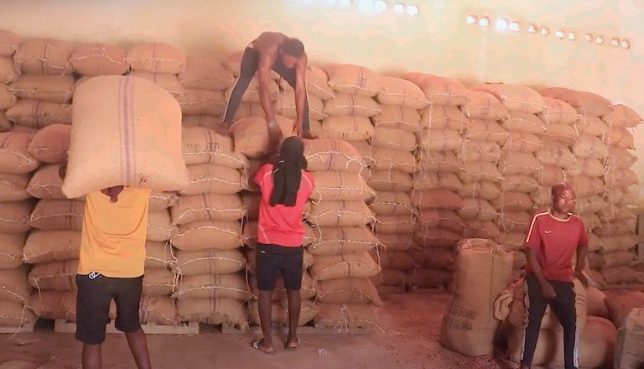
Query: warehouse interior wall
{"x":437,"y":40}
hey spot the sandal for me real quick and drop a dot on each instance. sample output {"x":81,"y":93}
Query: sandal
{"x":258,"y":345}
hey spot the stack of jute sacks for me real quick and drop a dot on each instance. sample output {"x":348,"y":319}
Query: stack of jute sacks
{"x":393,"y":148}
{"x":16,"y":164}
{"x":437,"y":187}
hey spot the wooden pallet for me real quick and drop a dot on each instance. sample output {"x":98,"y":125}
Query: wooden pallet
{"x":25,"y":328}
{"x":63,"y":326}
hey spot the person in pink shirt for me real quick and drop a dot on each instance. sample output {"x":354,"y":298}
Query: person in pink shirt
{"x":285,"y":188}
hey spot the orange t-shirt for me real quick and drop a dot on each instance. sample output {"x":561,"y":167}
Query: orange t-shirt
{"x":114,"y":233}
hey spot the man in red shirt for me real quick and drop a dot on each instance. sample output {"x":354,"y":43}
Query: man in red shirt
{"x":553,"y":238}
{"x":285,"y":188}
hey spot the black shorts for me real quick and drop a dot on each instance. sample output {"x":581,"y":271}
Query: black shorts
{"x":93,"y":306}
{"x":274,"y":259}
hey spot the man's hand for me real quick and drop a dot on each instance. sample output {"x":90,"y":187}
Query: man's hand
{"x":547,"y":290}
{"x":582,"y":277}
{"x":113,"y":192}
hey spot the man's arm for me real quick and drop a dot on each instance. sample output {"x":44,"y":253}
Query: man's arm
{"x":300,"y":92}
{"x":582,"y":252}
{"x":546,"y":288}
{"x":264,"y":80}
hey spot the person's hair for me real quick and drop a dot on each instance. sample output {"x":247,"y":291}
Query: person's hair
{"x":293,"y":47}
{"x":287,"y":172}
{"x":559,"y":188}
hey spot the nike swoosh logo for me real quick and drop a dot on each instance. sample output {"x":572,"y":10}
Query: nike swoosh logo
{"x":548,"y":231}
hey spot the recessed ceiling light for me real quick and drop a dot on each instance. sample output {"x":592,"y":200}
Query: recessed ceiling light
{"x":484,"y":21}
{"x":380,"y":5}
{"x":501,"y":24}
{"x":532,"y":28}
{"x":599,"y":40}
{"x":588,"y":37}
{"x":344,"y":2}
{"x":615,"y":41}
{"x":471,"y":19}
{"x":399,"y":8}
{"x":412,"y":10}
{"x":560,"y":33}
{"x":545,"y":31}
{"x":626,"y":44}
{"x":515,"y":26}
{"x":572,"y":36}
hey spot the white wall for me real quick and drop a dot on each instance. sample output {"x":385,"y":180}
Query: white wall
{"x":436,"y":41}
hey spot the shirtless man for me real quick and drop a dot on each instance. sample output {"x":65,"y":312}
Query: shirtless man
{"x":272,"y":51}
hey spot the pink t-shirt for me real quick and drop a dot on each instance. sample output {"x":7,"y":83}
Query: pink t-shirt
{"x":281,"y":225}
{"x":554,"y":241}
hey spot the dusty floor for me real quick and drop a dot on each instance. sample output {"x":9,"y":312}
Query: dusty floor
{"x":408,"y":340}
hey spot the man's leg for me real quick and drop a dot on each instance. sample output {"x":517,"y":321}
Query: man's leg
{"x":247,"y":70}
{"x":92,"y":314}
{"x":92,"y":356}
{"x":292,"y":270}
{"x":266,"y":273}
{"x":265,"y":319}
{"x":127,"y":296}
{"x":536,"y":309}
{"x":289,"y":76}
{"x":139,"y":348}
{"x":294,"y":307}
{"x":564,"y":309}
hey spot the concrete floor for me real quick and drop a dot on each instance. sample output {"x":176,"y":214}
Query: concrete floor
{"x":408,"y":340}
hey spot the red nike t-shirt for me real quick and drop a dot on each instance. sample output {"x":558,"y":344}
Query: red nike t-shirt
{"x":281,"y":225}
{"x":554,"y":242}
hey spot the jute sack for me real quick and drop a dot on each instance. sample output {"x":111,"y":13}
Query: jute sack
{"x":44,"y":56}
{"x":213,"y":286}
{"x":48,"y":246}
{"x":622,"y":116}
{"x":480,"y":151}
{"x":395,"y":224}
{"x":484,"y":190}
{"x":437,"y":117}
{"x":353,"y":79}
{"x":253,"y":109}
{"x":317,"y":83}
{"x":437,"y":161}
{"x":339,"y":214}
{"x":13,"y":314}
{"x":558,"y":111}
{"x":211,"y":206}
{"x":590,"y":204}
{"x":9,"y":43}
{"x":619,"y":137}
{"x":159,"y":310}
{"x":397,"y":117}
{"x":55,"y":89}
{"x":210,"y":261}
{"x":591,"y":126}
{"x":556,"y":154}
{"x":401,"y":92}
{"x":482,"y":105}
{"x":480,"y":209}
{"x":11,"y":249}
{"x":213,"y":311}
{"x":396,"y":242}
{"x":160,"y":227}
{"x":285,"y":105}
{"x":364,"y":149}
{"x":434,"y":257}
{"x":308,"y":291}
{"x":359,"y":265}
{"x":162,"y":200}
{"x":388,"y":159}
{"x":562,"y":133}
{"x":587,"y":186}
{"x":398,"y":260}
{"x":348,"y":291}
{"x":521,"y":122}
{"x":474,"y":172}
{"x":390,"y":180}
{"x":345,"y":316}
{"x":55,"y":275}
{"x":394,"y":139}
{"x":202,"y":102}
{"x":430,"y":278}
{"x":618,"y":258}
{"x":437,"y":181}
{"x":345,"y":104}
{"x":437,"y":199}
{"x":251,"y":202}
{"x":551,"y":175}
{"x":621,"y":275}
{"x":432,"y":140}
{"x":390,"y":277}
{"x":5,"y":124}
{"x":50,"y":144}
{"x":46,"y":183}
{"x":158,"y":282}
{"x":513,"y":201}
{"x":14,"y":286}
{"x":38,"y":114}
{"x":523,"y":142}
{"x":201,"y":120}
{"x":585,"y":102}
{"x":619,"y":158}
{"x":251,"y":136}
{"x":340,"y":186}
{"x":168,"y":82}
{"x":159,"y":255}
{"x":482,"y":272}
{"x":251,"y":95}
{"x":331,"y":155}
{"x":53,"y":305}
{"x":14,"y":217}
{"x":7,"y":97}
{"x":208,"y":178}
{"x":156,"y":58}
{"x":486,"y":130}
{"x":596,"y":344}
{"x":515,"y":97}
{"x":249,"y":236}
{"x":54,"y":215}
{"x":436,"y":237}
{"x":279,"y":312}
{"x":437,"y":218}
{"x":620,"y":305}
{"x":14,"y":157}
{"x":515,"y":221}
{"x":629,"y":349}
{"x":13,"y":187}
{"x":349,"y":128}
{"x":520,"y":183}
{"x":391,"y":203}
{"x":519,"y":163}
{"x":592,"y":167}
{"x":151,"y":129}
{"x":475,"y":228}
{"x":206,"y":73}
{"x":99,"y":59}
{"x":342,"y":241}
{"x":440,"y":90}
{"x":221,"y":235}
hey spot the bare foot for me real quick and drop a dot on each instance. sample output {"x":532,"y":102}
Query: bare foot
{"x":291,"y":343}
{"x":260,"y":345}
{"x":309,"y":136}
{"x":223,"y":129}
